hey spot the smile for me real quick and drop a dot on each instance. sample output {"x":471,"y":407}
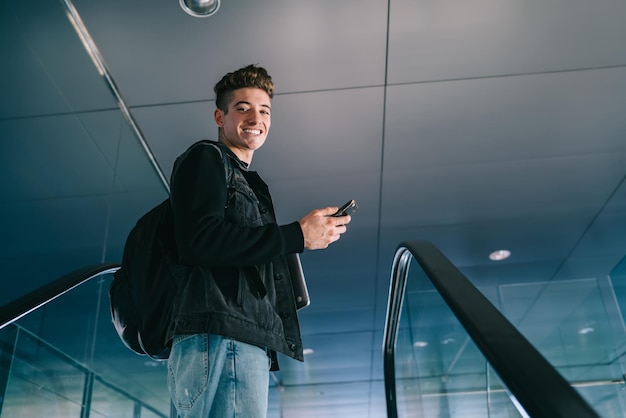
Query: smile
{"x":252,"y":131}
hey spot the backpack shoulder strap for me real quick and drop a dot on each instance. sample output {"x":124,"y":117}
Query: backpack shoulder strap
{"x":228,"y":165}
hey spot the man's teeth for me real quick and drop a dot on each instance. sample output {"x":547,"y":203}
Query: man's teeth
{"x":252,"y":131}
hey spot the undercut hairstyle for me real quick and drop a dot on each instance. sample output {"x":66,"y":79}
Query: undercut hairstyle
{"x":250,"y":76}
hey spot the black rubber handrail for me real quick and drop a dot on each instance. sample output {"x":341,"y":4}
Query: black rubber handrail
{"x":23,"y":305}
{"x":535,"y":383}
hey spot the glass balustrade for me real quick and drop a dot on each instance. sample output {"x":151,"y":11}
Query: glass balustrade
{"x":439,"y":370}
{"x":65,"y":360}
{"x":577,"y":327}
{"x":450,"y":352}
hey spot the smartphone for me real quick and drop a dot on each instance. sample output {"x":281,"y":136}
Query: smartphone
{"x":348,"y":209}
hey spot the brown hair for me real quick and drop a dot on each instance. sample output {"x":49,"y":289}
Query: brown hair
{"x":250,"y":76}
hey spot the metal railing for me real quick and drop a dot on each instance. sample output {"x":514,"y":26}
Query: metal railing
{"x":532,"y":380}
{"x":31,"y":301}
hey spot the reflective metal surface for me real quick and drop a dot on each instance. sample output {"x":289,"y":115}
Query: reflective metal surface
{"x":200,"y":8}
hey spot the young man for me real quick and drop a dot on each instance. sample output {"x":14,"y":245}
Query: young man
{"x":235,"y":308}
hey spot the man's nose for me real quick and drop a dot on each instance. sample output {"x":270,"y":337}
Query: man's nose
{"x":254,"y":117}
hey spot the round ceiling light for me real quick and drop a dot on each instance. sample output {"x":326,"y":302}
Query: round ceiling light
{"x":200,"y":8}
{"x":499,"y":255}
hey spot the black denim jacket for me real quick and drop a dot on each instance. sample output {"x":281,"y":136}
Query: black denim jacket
{"x":233,"y":277}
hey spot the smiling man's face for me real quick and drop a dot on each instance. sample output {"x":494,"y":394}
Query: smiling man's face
{"x":246,"y":123}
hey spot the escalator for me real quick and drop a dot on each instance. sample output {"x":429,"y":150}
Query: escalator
{"x":58,"y":363}
{"x":448,"y":352}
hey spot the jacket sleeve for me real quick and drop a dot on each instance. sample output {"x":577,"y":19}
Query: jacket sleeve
{"x":203,"y":236}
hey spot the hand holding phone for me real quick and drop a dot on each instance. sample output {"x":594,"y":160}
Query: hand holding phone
{"x":347,"y":209}
{"x":319,"y":232}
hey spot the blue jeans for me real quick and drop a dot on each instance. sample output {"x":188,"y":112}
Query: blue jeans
{"x":213,"y":376}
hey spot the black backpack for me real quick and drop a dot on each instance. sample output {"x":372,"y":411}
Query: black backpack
{"x":142,"y":292}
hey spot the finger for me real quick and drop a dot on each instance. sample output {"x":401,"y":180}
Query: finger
{"x":327,"y":211}
{"x":342,"y":220}
{"x":340,"y":229}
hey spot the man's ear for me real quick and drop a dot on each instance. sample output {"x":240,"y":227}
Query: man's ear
{"x":218,"y":115}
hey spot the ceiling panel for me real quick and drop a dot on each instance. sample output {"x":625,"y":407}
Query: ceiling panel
{"x":71,"y":155}
{"x":515,"y":190}
{"x":298,"y":42}
{"x":36,"y":78}
{"x":57,"y":159}
{"x":505,"y":119}
{"x":606,"y":235}
{"x":548,"y":162}
{"x":529,"y":239}
{"x":170,"y":129}
{"x":453,"y":39}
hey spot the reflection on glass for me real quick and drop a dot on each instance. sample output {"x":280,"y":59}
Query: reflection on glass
{"x":576,"y":325}
{"x":40,"y":382}
{"x":439,"y":370}
{"x":618,"y":283}
{"x":77,"y":360}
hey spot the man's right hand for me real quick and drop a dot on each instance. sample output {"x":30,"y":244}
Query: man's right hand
{"x":320,"y":229}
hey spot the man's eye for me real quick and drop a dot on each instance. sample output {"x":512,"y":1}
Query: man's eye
{"x":242,"y":109}
{"x":265,"y":112}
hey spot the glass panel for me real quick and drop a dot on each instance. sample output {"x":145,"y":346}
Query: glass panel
{"x":618,"y":280}
{"x":576,"y":325}
{"x":41,"y":382}
{"x":139,"y":376}
{"x":439,"y":371}
{"x":48,"y":375}
{"x":145,"y":413}
{"x":500,"y":402}
{"x":108,"y":402}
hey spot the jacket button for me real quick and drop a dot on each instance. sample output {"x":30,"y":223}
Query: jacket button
{"x":284,"y":315}
{"x":292,"y":347}
{"x":278,"y":276}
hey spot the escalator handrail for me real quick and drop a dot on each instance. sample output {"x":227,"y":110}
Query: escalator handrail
{"x":27,"y":303}
{"x":534,"y":382}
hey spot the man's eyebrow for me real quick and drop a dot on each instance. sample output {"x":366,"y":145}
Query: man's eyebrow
{"x":250,"y":104}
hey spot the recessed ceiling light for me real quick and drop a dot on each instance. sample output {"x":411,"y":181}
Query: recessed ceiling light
{"x":308,"y":351}
{"x":499,"y":255}
{"x":586,"y":330}
{"x":420,"y":344}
